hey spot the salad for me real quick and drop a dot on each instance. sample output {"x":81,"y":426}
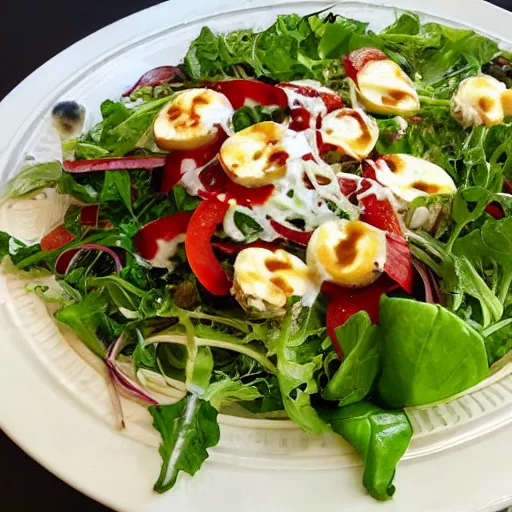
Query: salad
{"x":311,"y":221}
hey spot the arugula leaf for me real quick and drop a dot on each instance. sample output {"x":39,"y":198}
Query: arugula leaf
{"x":429,"y":353}
{"x":248,"y":226}
{"x":488,"y":246}
{"x":122,"y":129}
{"x":85,"y":317}
{"x":499,"y":342}
{"x":296,"y":346}
{"x":86,"y":193}
{"x":355,"y":377}
{"x":117,"y":187}
{"x":32,"y":178}
{"x":187,"y":428}
{"x":380,"y":437}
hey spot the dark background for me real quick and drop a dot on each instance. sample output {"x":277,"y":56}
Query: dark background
{"x":31,"y":32}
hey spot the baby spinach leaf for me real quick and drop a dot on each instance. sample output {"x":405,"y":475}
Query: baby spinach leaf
{"x":187,"y":428}
{"x":429,"y":353}
{"x":32,"y":178}
{"x":355,"y":377}
{"x":380,"y":438}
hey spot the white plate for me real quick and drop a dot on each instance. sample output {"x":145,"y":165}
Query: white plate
{"x":56,"y":407}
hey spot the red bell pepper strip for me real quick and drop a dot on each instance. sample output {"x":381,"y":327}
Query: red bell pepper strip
{"x":379,"y":212}
{"x":177,"y":163}
{"x":57,"y":238}
{"x":114,"y":164}
{"x":198,"y":246}
{"x":231,"y":248}
{"x":157,"y":76}
{"x":355,"y":61}
{"x":242,"y":92}
{"x":89,"y":215}
{"x":166,"y":229}
{"x":348,"y":301}
{"x":293,"y":235}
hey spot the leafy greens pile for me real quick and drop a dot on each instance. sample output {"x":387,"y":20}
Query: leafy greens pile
{"x":199,"y":354}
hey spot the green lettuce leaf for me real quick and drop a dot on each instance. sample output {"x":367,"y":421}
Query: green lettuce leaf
{"x":32,"y":178}
{"x":297,"y":347}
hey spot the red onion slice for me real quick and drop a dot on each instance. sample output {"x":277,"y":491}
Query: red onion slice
{"x":114,"y":164}
{"x":120,"y":379}
{"x":422,"y":271}
{"x":157,"y":76}
{"x":67,"y":258}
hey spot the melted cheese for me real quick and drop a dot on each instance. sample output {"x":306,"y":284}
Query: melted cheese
{"x":409,"y":177}
{"x":352,"y":131}
{"x":478,"y":100}
{"x":384,"y":88}
{"x":264,"y":280}
{"x":348,"y":253}
{"x":191,"y":119}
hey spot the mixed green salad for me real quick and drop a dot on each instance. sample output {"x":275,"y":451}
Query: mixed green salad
{"x":311,"y":221}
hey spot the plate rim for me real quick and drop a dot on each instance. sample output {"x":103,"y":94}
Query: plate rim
{"x":21,"y":89}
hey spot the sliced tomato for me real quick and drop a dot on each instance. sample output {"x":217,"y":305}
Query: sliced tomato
{"x":244,"y":92}
{"x":198,"y":246}
{"x":57,"y":238}
{"x":355,"y":61}
{"x":166,"y":229}
{"x":231,"y":248}
{"x":216,"y":182}
{"x":347,"y":302}
{"x":293,"y":235}
{"x":177,"y":163}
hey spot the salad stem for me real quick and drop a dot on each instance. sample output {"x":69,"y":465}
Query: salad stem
{"x":435,"y":102}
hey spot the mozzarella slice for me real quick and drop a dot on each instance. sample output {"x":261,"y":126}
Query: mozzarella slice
{"x":384,"y":88}
{"x":192,"y":119}
{"x":348,"y":253}
{"x":351,"y":130}
{"x":409,"y":177}
{"x":264,"y":280}
{"x":478,"y":100}
{"x":258,"y":155}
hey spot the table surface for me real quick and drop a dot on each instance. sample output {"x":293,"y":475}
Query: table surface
{"x":48,"y":28}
